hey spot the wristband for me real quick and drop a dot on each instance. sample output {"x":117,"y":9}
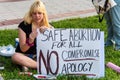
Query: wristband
{"x":29,"y":44}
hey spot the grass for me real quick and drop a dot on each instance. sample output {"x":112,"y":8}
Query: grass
{"x":11,"y":70}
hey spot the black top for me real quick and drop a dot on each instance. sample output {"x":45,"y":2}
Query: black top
{"x":27,"y":28}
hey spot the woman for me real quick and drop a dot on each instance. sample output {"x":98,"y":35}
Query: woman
{"x":36,"y":18}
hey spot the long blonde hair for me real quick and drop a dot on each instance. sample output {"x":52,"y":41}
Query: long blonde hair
{"x":40,"y":7}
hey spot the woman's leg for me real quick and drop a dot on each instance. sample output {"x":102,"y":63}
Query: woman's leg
{"x":23,"y":60}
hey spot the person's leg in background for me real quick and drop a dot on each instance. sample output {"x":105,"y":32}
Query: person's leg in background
{"x":109,"y":29}
{"x":115,"y":16}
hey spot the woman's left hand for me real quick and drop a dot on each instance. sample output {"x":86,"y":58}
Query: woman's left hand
{"x":43,"y":28}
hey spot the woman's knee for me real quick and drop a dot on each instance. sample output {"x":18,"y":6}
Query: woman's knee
{"x":15,"y":56}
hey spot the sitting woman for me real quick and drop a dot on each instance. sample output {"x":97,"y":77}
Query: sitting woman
{"x":36,"y":18}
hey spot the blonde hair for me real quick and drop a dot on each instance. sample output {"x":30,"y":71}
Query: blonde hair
{"x":40,"y":7}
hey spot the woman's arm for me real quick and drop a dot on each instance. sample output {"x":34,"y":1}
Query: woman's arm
{"x":22,"y":40}
{"x":25,"y":44}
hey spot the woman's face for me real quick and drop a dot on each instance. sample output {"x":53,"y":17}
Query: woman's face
{"x":37,"y":17}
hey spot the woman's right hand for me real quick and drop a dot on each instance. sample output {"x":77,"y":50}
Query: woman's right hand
{"x":32,"y":36}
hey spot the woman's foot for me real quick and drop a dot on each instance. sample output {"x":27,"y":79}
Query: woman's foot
{"x":25,"y":69}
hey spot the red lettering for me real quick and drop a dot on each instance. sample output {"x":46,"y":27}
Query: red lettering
{"x":47,"y":64}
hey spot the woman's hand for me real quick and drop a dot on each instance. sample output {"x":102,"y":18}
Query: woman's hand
{"x":43,"y":28}
{"x":32,"y":36}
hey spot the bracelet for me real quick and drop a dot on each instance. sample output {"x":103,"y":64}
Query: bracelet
{"x":29,"y":44}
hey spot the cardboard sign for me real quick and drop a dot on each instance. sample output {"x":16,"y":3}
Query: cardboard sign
{"x":71,"y":51}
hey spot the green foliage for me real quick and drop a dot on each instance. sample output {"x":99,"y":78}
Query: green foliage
{"x":8,"y":37}
{"x":11,"y":70}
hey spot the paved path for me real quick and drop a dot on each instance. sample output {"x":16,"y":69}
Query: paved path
{"x":12,"y":11}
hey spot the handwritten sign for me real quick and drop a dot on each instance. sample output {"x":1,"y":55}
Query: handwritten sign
{"x":71,"y":51}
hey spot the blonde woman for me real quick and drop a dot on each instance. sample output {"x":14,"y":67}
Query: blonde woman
{"x":36,"y":18}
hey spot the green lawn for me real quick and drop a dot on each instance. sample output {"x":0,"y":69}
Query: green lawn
{"x":11,"y":71}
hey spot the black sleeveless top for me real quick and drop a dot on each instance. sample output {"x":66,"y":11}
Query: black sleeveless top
{"x":27,"y":28}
